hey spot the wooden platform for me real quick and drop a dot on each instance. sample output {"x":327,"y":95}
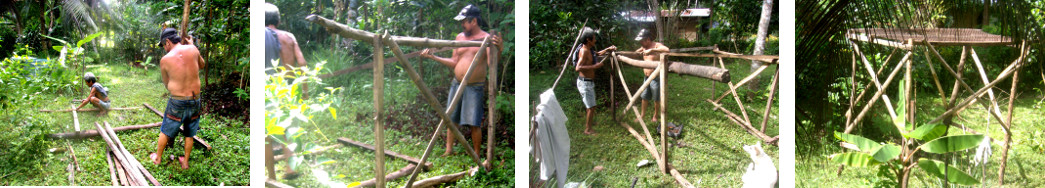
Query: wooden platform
{"x":935,"y":37}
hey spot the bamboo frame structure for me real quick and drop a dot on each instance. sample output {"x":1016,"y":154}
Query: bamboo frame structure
{"x":928,"y":39}
{"x":719,"y":74}
{"x":393,"y":42}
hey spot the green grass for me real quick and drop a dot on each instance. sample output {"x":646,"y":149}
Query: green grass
{"x":409,"y":125}
{"x":1024,"y":161}
{"x":228,"y":163}
{"x":710,"y":154}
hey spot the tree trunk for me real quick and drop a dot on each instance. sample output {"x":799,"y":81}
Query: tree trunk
{"x":760,"y":42}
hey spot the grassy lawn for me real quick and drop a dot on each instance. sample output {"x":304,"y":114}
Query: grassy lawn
{"x":1024,"y":162}
{"x":708,"y":153}
{"x":410,"y":123}
{"x":32,"y":164}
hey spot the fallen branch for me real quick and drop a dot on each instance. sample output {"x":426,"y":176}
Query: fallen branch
{"x":348,"y":32}
{"x":93,"y":133}
{"x":91,"y":109}
{"x":709,"y":72}
{"x":391,"y":176}
{"x":197,"y":138}
{"x":436,"y":180}
{"x":411,"y":160}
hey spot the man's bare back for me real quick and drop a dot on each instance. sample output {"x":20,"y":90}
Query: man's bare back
{"x":289,"y":51}
{"x":180,"y":70}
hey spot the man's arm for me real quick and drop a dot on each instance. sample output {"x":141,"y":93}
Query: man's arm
{"x":585,"y":56}
{"x":659,"y":48}
{"x":163,"y":71}
{"x":297,"y":51}
{"x":449,"y":62}
{"x":85,"y":101}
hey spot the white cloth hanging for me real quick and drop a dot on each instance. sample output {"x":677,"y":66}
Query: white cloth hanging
{"x":554,"y":141}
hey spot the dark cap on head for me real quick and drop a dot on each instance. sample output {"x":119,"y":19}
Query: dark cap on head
{"x":169,"y":33}
{"x":643,"y":34}
{"x":470,"y":11}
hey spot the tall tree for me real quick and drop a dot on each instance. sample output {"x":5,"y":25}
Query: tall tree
{"x":760,"y":42}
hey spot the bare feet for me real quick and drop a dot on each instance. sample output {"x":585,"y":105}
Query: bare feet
{"x":447,"y":153}
{"x":184,"y":163}
{"x":589,"y":132}
{"x":486,"y":164}
{"x":155,"y":158}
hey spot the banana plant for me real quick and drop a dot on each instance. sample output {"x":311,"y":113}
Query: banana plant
{"x":867,"y":153}
{"x":71,"y":52}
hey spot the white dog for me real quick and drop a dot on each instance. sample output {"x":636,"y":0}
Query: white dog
{"x":761,"y":173}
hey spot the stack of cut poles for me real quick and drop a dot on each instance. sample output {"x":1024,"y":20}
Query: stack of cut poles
{"x":124,"y":169}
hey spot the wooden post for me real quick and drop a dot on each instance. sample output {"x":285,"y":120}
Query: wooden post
{"x":573,"y":48}
{"x":983,"y":76}
{"x":348,"y":32}
{"x":121,"y":173}
{"x":491,"y":102}
{"x":663,"y":124}
{"x":936,"y":79}
{"x":1008,"y":125}
{"x":112,"y":172}
{"x":379,"y":93}
{"x":133,"y":161}
{"x":877,"y":94}
{"x":874,"y":77}
{"x":135,"y":176}
{"x":769,"y":103}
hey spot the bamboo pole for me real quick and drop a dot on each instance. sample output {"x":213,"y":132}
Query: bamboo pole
{"x":769,"y":103}
{"x":391,"y":176}
{"x":997,"y":116}
{"x":436,"y":180}
{"x":491,"y":103}
{"x":133,"y":161}
{"x":134,"y":175}
{"x":76,"y":120}
{"x":91,"y":109}
{"x":72,"y":152}
{"x":632,"y":98}
{"x":746,"y":125}
{"x":874,"y":77}
{"x":645,"y":85}
{"x":121,"y":173}
{"x":663,"y":124}
{"x":968,"y":100}
{"x":573,"y":51}
{"x":411,"y":160}
{"x":983,"y":77}
{"x":679,"y":178}
{"x":936,"y":79}
{"x":93,"y":133}
{"x":860,"y":96}
{"x":370,"y":65}
{"x":957,"y":76}
{"x":1008,"y":125}
{"x":379,"y":93}
{"x":112,"y":172}
{"x":877,"y":94}
{"x":432,"y":102}
{"x":348,"y":32}
{"x":743,"y":81}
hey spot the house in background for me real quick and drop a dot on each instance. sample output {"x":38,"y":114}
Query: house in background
{"x":688,"y":23}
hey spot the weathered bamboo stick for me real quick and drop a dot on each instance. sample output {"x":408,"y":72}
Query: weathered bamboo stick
{"x":968,"y":100}
{"x":93,"y":133}
{"x":874,"y":78}
{"x":771,"y":59}
{"x":133,"y":161}
{"x":348,"y":32}
{"x":491,"y":103}
{"x":743,"y":81}
{"x":961,"y":65}
{"x":134,"y":175}
{"x":76,"y":120}
{"x":740,"y":104}
{"x":91,"y":109}
{"x":1008,"y":125}
{"x":633,"y":98}
{"x":874,"y":98}
{"x":195,"y":137}
{"x":407,"y":158}
{"x":645,"y":84}
{"x":379,"y":94}
{"x":983,"y":77}
{"x":316,"y":151}
{"x":997,"y":116}
{"x":936,"y":79}
{"x":648,"y":146}
{"x":370,"y":65}
{"x":663,"y":105}
{"x":436,"y":180}
{"x":746,"y":125}
{"x":72,"y":174}
{"x":391,"y":176}
{"x":121,"y":173}
{"x":112,"y":172}
{"x":708,"y":72}
{"x":769,"y":103}
{"x":432,"y":102}
{"x":679,"y":178}
{"x":73,"y":153}
{"x":573,"y":51}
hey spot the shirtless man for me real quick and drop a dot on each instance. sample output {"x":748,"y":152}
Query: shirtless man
{"x":98,"y":96}
{"x":470,"y":112}
{"x":286,"y":45}
{"x":650,"y":52}
{"x":180,"y":72}
{"x":586,"y":69}
{"x":289,"y":53}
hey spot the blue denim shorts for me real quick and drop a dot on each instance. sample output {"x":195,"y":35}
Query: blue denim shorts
{"x":470,"y":111}
{"x":653,"y":92}
{"x":178,"y":113}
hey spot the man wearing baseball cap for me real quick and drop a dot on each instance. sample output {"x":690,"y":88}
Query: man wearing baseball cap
{"x":650,"y":52}
{"x":180,"y":71}
{"x":470,"y":112}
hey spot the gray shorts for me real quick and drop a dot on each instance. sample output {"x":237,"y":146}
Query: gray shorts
{"x":653,"y":92}
{"x":104,"y":104}
{"x":587,"y":88}
{"x":470,"y":111}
